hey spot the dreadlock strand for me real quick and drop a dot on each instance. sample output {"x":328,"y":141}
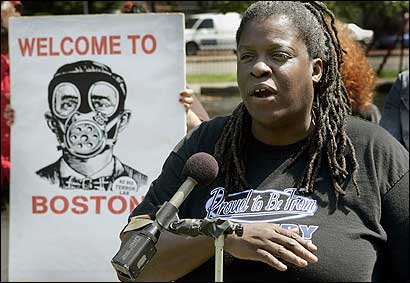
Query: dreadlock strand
{"x":333,"y":31}
{"x":236,"y":158}
{"x":334,"y":178}
{"x":311,"y":168}
{"x":323,"y":20}
{"x":355,"y":166}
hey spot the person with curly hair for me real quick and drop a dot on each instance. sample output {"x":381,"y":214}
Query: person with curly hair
{"x":358,"y":77}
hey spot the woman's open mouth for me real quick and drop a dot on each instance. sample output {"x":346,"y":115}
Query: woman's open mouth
{"x":262,"y":91}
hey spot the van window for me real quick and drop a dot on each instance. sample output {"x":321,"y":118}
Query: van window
{"x":189,"y":23}
{"x":207,"y":23}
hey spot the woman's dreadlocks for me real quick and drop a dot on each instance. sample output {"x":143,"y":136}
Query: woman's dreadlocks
{"x":330,"y":106}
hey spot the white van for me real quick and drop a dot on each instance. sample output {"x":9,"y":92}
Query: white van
{"x":211,"y":32}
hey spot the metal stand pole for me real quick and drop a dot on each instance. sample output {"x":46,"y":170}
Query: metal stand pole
{"x":214,"y":228}
{"x":219,"y":257}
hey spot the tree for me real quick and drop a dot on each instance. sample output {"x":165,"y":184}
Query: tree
{"x":384,"y":17}
{"x":35,"y":8}
{"x":226,"y":6}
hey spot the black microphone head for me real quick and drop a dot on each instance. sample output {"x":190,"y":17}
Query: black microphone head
{"x":202,"y":167}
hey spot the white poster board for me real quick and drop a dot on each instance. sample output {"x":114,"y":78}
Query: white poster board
{"x":104,"y":90}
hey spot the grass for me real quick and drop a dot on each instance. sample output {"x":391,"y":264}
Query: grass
{"x":388,"y":74}
{"x":210,"y":78}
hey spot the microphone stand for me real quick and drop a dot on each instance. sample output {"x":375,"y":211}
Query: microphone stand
{"x":219,"y":258}
{"x":214,"y":228}
{"x":139,"y":247}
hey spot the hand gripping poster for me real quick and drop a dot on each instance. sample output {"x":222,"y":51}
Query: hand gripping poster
{"x":96,"y":114}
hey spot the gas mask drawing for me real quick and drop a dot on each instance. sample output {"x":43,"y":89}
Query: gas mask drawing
{"x":86,"y":112}
{"x":86,"y":101}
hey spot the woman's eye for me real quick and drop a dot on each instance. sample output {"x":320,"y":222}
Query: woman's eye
{"x":246,"y":57}
{"x":281,"y":56}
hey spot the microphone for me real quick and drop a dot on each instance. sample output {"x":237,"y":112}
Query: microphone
{"x":138,"y":247}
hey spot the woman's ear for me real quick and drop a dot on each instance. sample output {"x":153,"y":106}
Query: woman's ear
{"x":317,"y":69}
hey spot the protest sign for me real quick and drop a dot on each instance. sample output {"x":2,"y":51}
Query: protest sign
{"x":96,"y":114}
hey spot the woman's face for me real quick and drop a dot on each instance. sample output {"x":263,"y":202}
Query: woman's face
{"x":275,"y":73}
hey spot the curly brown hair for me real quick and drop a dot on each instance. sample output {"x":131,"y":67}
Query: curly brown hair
{"x":358,"y":76}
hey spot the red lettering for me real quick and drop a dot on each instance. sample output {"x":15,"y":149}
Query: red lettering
{"x":98,"y":203}
{"x":86,"y":45}
{"x":26,"y":46}
{"x":133,"y":203}
{"x":53,"y":206}
{"x":52,"y":52}
{"x":80,"y":204}
{"x":59,"y":204}
{"x":63,"y":50}
{"x":134,"y":42}
{"x":123,"y":205}
{"x":153,"y":44}
{"x":114,"y":43}
{"x":98,"y":49}
{"x":41,"y":44}
{"x":39,"y":201}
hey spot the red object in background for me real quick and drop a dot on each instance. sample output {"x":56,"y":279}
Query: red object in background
{"x":18,"y":6}
{"x":16,"y":3}
{"x":5,"y":129}
{"x":127,"y":8}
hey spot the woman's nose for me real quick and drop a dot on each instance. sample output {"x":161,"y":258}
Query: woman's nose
{"x":261,"y":69}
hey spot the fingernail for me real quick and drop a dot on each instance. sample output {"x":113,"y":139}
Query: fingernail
{"x":312,"y":247}
{"x":314,"y":258}
{"x":294,"y":236}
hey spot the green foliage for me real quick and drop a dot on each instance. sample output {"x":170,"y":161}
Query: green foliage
{"x":384,"y":17}
{"x":226,"y":6}
{"x":352,"y":10}
{"x":34,"y":8}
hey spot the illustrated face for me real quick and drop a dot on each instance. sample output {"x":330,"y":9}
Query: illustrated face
{"x":275,"y":73}
{"x":87,"y":111}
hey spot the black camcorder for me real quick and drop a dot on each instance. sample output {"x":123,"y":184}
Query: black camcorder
{"x":135,"y":252}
